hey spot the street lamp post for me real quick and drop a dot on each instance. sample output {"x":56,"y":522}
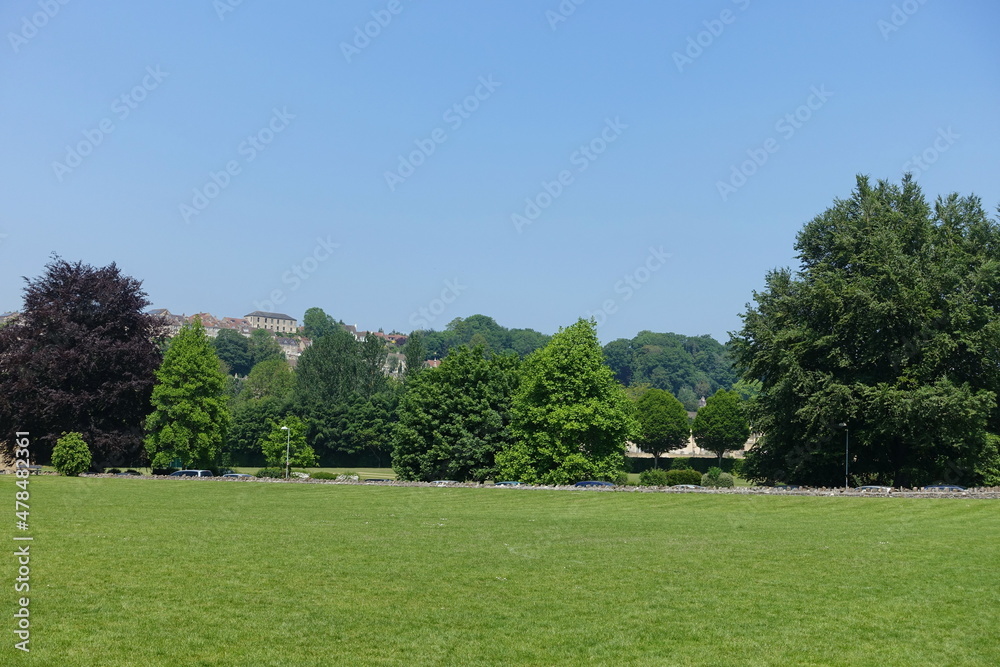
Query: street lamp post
{"x":288,"y":447}
{"x":847,"y":454}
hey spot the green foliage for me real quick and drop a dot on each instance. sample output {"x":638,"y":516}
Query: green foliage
{"x":274,"y":473}
{"x":287,"y":436}
{"x":323,"y":475}
{"x":190,"y":416}
{"x":721,"y":426}
{"x":71,"y":455}
{"x":414,"y":354}
{"x":270,"y":379}
{"x":653,"y":477}
{"x":891,"y":326}
{"x":723,"y":480}
{"x":263,"y":347}
{"x":482,"y":330}
{"x":316,"y":324}
{"x":663,"y":423}
{"x":686,"y":366}
{"x":233,"y":349}
{"x":683,"y":476}
{"x":571,"y":418}
{"x":453,"y":419}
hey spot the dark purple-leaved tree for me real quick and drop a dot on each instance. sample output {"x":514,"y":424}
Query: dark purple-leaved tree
{"x":80,"y":357}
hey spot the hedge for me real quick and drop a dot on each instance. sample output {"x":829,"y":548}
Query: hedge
{"x":699,"y":463}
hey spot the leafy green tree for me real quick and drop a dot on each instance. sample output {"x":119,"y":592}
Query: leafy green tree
{"x":291,"y":440}
{"x":316,"y":323}
{"x":190,"y":413}
{"x":71,"y":455}
{"x":482,"y":330}
{"x":269,"y":379}
{"x":369,"y":426}
{"x":721,"y":426}
{"x":663,"y":424}
{"x":263,"y":347}
{"x":233,"y":348}
{"x":414,"y":354}
{"x":80,"y":358}
{"x":570,"y":417}
{"x":250,"y":423}
{"x":890,"y":325}
{"x":688,"y":398}
{"x":453,"y":419}
{"x":372,"y":354}
{"x":328,"y":371}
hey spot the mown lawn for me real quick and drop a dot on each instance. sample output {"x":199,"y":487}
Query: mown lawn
{"x":199,"y":572}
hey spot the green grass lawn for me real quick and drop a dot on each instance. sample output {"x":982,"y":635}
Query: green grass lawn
{"x":190,"y":572}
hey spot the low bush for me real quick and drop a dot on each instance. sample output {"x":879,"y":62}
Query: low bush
{"x":71,"y":455}
{"x":683,"y":476}
{"x":716,"y":478}
{"x":323,"y":475}
{"x":653,"y":477}
{"x":271,"y":472}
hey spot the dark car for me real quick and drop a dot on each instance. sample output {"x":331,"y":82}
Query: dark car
{"x":944,"y":487}
{"x":593,"y":482}
{"x":192,"y":473}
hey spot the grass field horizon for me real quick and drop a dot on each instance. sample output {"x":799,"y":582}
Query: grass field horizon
{"x":186,"y":572}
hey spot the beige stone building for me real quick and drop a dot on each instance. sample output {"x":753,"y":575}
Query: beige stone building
{"x":278,"y":323}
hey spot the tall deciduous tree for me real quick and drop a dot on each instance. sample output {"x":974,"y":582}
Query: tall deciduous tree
{"x":316,"y":323}
{"x":890,"y":325}
{"x":663,"y":423}
{"x":80,"y":358}
{"x":278,"y":442}
{"x":190,"y":413}
{"x":264,"y":347}
{"x":413,"y":353}
{"x":721,"y":425}
{"x":571,"y":418}
{"x":453,"y":419}
{"x":233,"y":348}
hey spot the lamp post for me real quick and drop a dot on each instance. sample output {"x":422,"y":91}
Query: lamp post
{"x":847,"y":453}
{"x":288,"y":446}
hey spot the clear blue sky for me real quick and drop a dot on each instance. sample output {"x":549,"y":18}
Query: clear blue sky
{"x":871,"y":86}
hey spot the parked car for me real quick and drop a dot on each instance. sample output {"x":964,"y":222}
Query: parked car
{"x":944,"y":487}
{"x":593,"y":482}
{"x":507,"y":484}
{"x":192,"y":473}
{"x":443,"y":482}
{"x":875,"y":487}
{"x":237,"y":475}
{"x":687,"y":486}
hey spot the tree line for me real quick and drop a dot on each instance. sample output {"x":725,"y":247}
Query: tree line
{"x":886,"y":339}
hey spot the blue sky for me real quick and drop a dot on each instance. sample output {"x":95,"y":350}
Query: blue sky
{"x":535,"y":161}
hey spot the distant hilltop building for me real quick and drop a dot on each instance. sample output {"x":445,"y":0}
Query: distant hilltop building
{"x":278,"y":323}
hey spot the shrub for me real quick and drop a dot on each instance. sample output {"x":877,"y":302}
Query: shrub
{"x":271,"y":472}
{"x":621,"y":479}
{"x":721,"y":480}
{"x":683,"y":476}
{"x":71,"y":455}
{"x":653,"y":477}
{"x":737,"y":468}
{"x":323,"y":475}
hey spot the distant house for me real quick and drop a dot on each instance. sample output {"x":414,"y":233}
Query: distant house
{"x":236,"y":324}
{"x":173,"y":323}
{"x":293,"y":348}
{"x":7,"y":317}
{"x":398,"y":340}
{"x":278,"y":323}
